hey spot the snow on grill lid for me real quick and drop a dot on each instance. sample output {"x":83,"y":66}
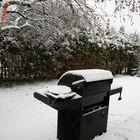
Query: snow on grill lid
{"x":90,"y":75}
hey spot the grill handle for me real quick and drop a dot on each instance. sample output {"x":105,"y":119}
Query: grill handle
{"x":78,"y":82}
{"x":77,"y":86}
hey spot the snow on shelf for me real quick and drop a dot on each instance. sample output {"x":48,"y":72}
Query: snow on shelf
{"x":115,"y":86}
{"x":57,"y":89}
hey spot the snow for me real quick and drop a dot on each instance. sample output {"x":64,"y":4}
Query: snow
{"x":115,"y":86}
{"x":57,"y":92}
{"x":9,"y":27}
{"x":91,"y":74}
{"x":57,"y":89}
{"x":22,"y":117}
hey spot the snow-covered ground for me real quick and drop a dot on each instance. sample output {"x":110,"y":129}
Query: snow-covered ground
{"x":22,"y":117}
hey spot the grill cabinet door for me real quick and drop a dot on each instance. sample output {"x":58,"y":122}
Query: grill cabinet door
{"x":94,"y":123}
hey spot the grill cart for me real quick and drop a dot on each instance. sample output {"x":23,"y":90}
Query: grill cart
{"x":82,"y":100}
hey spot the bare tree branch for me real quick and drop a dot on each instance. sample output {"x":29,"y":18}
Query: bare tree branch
{"x":18,"y":14}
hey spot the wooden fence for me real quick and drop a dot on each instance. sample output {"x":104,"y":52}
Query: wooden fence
{"x":12,"y":74}
{"x":19,"y":70}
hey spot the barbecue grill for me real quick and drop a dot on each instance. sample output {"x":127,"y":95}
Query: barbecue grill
{"x":83,"y":110}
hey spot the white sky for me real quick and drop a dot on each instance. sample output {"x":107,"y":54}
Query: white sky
{"x":130,"y":26}
{"x":117,"y":22}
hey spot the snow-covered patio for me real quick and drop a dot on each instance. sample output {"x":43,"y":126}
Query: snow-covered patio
{"x":22,"y":117}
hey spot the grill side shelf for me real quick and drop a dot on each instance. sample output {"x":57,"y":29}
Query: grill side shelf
{"x":116,"y":90}
{"x":60,"y":104}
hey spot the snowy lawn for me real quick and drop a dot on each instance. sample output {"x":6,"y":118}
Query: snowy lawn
{"x":22,"y":117}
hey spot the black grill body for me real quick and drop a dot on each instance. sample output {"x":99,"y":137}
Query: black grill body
{"x":85,"y":115}
{"x":91,"y":118}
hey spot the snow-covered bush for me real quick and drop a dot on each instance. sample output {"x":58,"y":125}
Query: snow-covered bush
{"x":25,"y":57}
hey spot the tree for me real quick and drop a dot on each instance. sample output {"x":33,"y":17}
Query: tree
{"x":43,"y":40}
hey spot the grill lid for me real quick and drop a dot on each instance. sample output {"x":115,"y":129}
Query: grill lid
{"x":90,"y":75}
